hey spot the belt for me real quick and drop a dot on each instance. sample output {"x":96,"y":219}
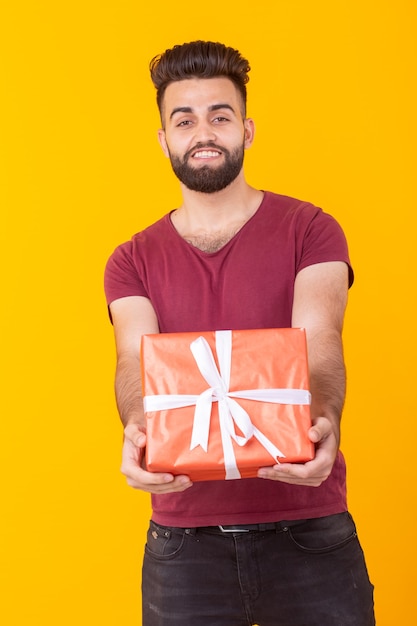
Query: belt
{"x":246,"y":528}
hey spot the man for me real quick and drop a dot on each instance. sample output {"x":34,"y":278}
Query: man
{"x":280,"y":549}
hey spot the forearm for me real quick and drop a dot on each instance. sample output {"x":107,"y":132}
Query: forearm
{"x":320,"y":296}
{"x":327,"y":374}
{"x":128,"y":390}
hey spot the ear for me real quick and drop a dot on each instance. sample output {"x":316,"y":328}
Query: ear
{"x":249,"y":125}
{"x":163,"y":142}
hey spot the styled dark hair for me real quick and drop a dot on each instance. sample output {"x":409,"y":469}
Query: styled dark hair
{"x":199,"y":59}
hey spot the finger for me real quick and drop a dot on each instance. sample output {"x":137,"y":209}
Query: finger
{"x":291,"y":478}
{"x":180,"y":483}
{"x":311,"y":473}
{"x":164,"y":488}
{"x":155,"y":482}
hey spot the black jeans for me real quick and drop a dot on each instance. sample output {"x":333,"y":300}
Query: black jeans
{"x":304,"y":573}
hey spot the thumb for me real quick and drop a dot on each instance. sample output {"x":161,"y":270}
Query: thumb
{"x":318,"y":430}
{"x":140,"y":440}
{"x":314,"y":434}
{"x":135,"y":435}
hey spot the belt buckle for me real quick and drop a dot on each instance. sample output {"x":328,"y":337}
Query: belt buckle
{"x":233,"y":530}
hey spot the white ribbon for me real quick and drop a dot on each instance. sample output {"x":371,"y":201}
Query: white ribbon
{"x":230,"y":412}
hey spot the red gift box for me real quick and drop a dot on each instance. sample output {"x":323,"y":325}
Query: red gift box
{"x":223,"y":404}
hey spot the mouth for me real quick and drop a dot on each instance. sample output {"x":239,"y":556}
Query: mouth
{"x":206,"y":154}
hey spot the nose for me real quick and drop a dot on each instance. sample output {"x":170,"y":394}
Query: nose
{"x":204,"y":132}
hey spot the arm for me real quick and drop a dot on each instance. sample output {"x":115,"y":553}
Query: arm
{"x":133,"y":317}
{"x":320,"y":297}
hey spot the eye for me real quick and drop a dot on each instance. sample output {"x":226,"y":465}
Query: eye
{"x":220,"y":119}
{"x":184,"y":123}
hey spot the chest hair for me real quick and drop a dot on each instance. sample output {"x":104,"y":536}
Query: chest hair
{"x":210,"y":243}
{"x":214,"y":241}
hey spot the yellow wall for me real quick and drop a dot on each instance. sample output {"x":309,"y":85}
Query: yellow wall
{"x":332,"y":92}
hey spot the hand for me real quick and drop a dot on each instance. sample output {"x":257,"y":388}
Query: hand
{"x":133,"y":461}
{"x":325,"y":436}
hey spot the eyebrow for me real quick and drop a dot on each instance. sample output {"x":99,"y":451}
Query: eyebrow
{"x":213,"y":107}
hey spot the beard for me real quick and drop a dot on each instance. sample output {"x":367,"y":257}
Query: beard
{"x":208,"y":179}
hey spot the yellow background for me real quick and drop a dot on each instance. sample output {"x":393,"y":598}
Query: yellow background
{"x":332,"y":91}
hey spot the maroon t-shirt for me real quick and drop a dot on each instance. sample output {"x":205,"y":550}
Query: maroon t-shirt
{"x":249,"y":283}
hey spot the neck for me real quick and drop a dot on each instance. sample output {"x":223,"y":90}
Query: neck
{"x":216,"y":211}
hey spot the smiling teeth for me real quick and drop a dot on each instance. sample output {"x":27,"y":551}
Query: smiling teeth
{"x":206,"y":154}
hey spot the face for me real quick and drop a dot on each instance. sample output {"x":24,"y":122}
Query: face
{"x":205,"y":133}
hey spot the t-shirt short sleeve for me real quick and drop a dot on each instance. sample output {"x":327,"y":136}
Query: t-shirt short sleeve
{"x":121,"y":276}
{"x":323,"y":240}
